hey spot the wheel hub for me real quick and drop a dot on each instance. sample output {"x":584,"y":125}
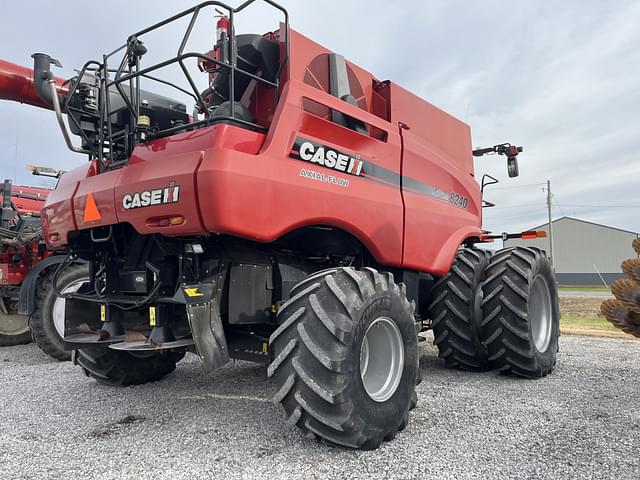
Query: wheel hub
{"x":13,"y":325}
{"x":540,"y":313}
{"x":381,"y":359}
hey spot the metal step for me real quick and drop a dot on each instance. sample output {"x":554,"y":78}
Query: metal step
{"x":143,"y":346}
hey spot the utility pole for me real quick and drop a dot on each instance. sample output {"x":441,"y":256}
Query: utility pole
{"x":550,"y":223}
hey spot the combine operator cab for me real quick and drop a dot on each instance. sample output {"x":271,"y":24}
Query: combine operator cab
{"x":294,"y":210}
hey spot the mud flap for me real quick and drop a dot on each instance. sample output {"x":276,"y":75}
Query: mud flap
{"x":208,"y":335}
{"x":206,"y":325}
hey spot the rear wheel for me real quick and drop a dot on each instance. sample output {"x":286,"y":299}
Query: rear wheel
{"x":521,"y":323}
{"x":116,"y":368}
{"x":47,"y":320}
{"x":14,"y":328}
{"x":346,"y":357}
{"x":456,"y":312}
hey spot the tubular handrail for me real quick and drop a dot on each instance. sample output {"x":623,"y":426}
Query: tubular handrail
{"x":129,"y":71}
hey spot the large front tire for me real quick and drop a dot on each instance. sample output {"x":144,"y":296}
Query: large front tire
{"x":521,"y":323}
{"x":346,"y":357}
{"x":47,"y":320}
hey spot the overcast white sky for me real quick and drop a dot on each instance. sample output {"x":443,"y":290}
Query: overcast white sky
{"x":560,"y":78}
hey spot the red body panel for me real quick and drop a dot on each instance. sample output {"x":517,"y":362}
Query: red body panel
{"x":58,"y":218}
{"x":414,"y":204}
{"x":433,"y":238}
{"x":28,"y":199}
{"x":441,"y":133}
{"x":16,"y":261}
{"x":263,"y":197}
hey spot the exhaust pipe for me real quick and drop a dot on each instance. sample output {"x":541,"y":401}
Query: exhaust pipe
{"x":17,"y":84}
{"x":42,"y":76}
{"x":46,"y":88}
{"x":37,"y":87}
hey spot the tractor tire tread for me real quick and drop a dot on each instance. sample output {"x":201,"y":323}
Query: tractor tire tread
{"x":312,"y":356}
{"x":455,"y":328}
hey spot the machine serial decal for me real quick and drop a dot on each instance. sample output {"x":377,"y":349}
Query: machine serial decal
{"x":326,"y":157}
{"x":147,"y":198}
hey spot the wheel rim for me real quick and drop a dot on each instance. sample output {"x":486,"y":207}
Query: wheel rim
{"x":540,"y":313}
{"x":60,"y":303}
{"x":381,"y":359}
{"x":13,"y":325}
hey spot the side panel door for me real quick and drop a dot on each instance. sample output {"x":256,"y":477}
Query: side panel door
{"x":366,"y":200}
{"x":442,"y":206}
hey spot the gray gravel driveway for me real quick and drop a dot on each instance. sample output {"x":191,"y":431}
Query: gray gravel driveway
{"x":583,"y":421}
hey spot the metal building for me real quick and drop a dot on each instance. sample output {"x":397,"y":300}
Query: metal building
{"x":585,"y":253}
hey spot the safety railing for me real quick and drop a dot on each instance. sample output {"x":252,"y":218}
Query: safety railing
{"x":129,"y":72}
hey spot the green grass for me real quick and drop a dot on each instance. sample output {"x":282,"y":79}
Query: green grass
{"x":583,"y":289}
{"x":589,"y":323}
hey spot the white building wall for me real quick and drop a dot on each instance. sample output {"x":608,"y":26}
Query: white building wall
{"x":579,"y":245}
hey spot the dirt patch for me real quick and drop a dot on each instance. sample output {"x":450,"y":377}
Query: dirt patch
{"x":594,"y":332}
{"x":116,"y":426}
{"x":581,"y":307}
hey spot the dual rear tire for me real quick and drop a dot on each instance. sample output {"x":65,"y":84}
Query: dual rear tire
{"x":498,"y":312}
{"x":456,"y":312}
{"x":521,"y":313}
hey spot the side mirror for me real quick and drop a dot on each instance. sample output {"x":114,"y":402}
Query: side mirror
{"x":512,"y":167}
{"x":506,"y":149}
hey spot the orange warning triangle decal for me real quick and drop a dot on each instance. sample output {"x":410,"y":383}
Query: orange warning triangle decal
{"x":91,"y":212}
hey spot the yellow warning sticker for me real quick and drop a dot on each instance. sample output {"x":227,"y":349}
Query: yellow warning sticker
{"x":193,"y":292}
{"x":103,"y":313}
{"x":152,"y":316}
{"x":265,"y":347}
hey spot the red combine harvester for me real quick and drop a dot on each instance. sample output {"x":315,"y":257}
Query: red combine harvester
{"x":21,"y":247}
{"x":26,"y":267}
{"x":296,"y":212}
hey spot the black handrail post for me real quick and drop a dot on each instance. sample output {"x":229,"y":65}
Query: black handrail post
{"x":232,"y":59}
{"x":106,"y":115}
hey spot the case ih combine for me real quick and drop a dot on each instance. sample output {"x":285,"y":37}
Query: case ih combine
{"x":28,"y":304}
{"x":296,"y":212}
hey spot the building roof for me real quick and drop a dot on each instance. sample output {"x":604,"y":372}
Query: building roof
{"x":587,"y":222}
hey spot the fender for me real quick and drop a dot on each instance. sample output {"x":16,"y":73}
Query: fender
{"x":26,"y":299}
{"x":447,"y":254}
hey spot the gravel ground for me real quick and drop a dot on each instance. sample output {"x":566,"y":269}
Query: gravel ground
{"x":583,"y":421}
{"x":584,"y":294}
